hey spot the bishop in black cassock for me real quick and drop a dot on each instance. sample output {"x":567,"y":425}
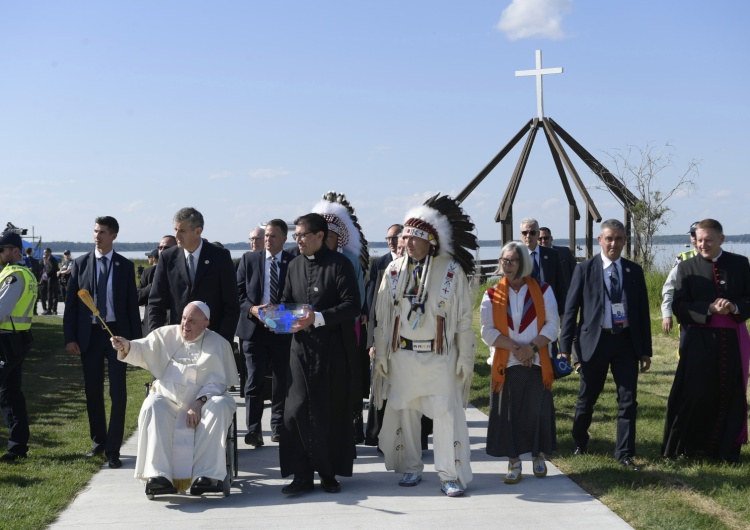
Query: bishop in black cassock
{"x":707,"y":407}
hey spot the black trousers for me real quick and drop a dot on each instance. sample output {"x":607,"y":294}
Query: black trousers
{"x":14,"y":348}
{"x":263,"y":350}
{"x":92,"y":360}
{"x":612,"y":352}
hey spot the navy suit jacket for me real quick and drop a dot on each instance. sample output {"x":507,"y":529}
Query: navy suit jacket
{"x":378,"y":264}
{"x":214,"y":284}
{"x":251,"y":274}
{"x":567,"y":261}
{"x":584,"y":308}
{"x":77,"y":318}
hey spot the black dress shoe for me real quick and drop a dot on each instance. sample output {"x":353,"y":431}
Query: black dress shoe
{"x":330,"y":484}
{"x":254,"y":438}
{"x":11,"y":457}
{"x":159,"y":483}
{"x":580,"y":450}
{"x":275,"y":436}
{"x":629,"y":464}
{"x":95,"y":452}
{"x":114,"y":461}
{"x":298,"y":485}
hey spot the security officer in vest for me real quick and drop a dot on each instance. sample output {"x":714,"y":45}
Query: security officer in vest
{"x":667,"y":292}
{"x":18,"y":294}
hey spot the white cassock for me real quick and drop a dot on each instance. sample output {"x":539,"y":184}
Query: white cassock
{"x":184,"y":370}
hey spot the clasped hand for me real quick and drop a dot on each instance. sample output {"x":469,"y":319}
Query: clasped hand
{"x":523,"y":353}
{"x":194,"y":414}
{"x":722,"y":306}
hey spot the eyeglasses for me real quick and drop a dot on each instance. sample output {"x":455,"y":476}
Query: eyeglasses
{"x":507,"y":262}
{"x":529,"y":232}
{"x":544,"y":238}
{"x":163,"y":247}
{"x":301,"y":235}
{"x":391,"y":238}
{"x":256,"y":238}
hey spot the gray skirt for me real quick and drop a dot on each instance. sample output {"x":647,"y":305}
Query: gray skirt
{"x":522,"y":416}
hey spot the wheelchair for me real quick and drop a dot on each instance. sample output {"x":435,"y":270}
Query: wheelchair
{"x":224,"y":486}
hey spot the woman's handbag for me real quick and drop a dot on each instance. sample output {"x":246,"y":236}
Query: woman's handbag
{"x":562,"y":367}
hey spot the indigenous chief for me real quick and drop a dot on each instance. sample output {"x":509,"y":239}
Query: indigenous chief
{"x":518,"y":320}
{"x":707,"y":406}
{"x":18,"y":294}
{"x":424,"y":345}
{"x":183,"y":422}
{"x":345,"y":236}
{"x":110,"y":278}
{"x":317,"y":432}
{"x":607,"y":311}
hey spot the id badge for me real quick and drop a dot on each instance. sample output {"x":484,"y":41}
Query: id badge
{"x":618,"y":313}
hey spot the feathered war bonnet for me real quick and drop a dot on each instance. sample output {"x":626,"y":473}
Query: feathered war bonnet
{"x":442,"y":222}
{"x":342,"y":221}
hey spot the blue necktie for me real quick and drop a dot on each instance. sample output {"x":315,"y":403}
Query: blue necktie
{"x":535,"y":268}
{"x":101,"y":288}
{"x":615,"y":293}
{"x":191,"y":268}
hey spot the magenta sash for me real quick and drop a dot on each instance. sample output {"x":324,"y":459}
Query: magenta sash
{"x":726,"y":321}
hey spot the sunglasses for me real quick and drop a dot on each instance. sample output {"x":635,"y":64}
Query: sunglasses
{"x":544,"y":238}
{"x":529,"y":232}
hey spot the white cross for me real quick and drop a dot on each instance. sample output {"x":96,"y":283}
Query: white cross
{"x":539,"y":72}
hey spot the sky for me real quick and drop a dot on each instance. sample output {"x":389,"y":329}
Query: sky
{"x":251,"y":110}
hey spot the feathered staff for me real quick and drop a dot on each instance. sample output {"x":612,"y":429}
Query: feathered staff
{"x":85,"y":297}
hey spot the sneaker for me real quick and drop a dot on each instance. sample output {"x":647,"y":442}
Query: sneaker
{"x":410,"y":479}
{"x":451,"y":488}
{"x":514,"y":473}
{"x":539,"y":466}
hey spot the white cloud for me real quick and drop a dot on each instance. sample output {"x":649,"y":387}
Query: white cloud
{"x":524,"y":19}
{"x":722,"y":194}
{"x":268,"y":173}
{"x":219,"y":175}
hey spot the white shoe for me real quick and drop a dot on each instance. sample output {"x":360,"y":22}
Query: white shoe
{"x":514,"y":473}
{"x":539,"y":466}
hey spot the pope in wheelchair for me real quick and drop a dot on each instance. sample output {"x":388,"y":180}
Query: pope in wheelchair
{"x":183,"y":423}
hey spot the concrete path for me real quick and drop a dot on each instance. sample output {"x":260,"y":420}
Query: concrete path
{"x":371,"y":498}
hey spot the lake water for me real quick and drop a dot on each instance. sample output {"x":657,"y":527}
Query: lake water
{"x":664,"y":254}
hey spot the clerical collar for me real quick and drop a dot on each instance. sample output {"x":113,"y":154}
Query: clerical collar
{"x":715,"y":259}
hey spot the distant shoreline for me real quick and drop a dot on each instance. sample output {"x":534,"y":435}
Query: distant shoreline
{"x":58,"y":247}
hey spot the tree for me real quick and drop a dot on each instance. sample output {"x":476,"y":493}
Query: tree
{"x":642,"y":170}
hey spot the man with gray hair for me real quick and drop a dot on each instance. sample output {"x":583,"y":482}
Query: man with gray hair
{"x":545,"y":262}
{"x":607,"y":311}
{"x":194,"y":270}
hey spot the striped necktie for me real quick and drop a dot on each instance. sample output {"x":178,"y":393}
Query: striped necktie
{"x":274,"y":298}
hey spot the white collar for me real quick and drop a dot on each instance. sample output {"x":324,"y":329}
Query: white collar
{"x":108,"y":255}
{"x":277,"y":256}
{"x":196,"y":253}
{"x":607,"y":262}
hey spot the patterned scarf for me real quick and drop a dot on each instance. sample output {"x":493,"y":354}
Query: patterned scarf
{"x":533,"y":307}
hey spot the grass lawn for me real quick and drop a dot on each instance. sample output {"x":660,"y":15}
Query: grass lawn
{"x":34,"y":491}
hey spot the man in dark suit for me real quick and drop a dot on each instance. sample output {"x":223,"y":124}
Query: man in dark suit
{"x":194,"y":270}
{"x":379,"y":264}
{"x":260,"y":280}
{"x":567,"y":259}
{"x":545,"y":262}
{"x":607,"y":311}
{"x":110,"y":278}
{"x":49,"y":279}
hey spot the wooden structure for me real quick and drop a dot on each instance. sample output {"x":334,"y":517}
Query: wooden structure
{"x":555,"y":136}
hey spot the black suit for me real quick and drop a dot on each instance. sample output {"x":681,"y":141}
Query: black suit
{"x":93,"y":340}
{"x":259,"y":344}
{"x":600,"y":349}
{"x":373,"y":283}
{"x":552,"y":274}
{"x":214,"y":284}
{"x":567,"y":261}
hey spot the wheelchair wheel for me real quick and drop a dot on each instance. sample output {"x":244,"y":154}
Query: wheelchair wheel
{"x":150,"y":496}
{"x":227,"y":483}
